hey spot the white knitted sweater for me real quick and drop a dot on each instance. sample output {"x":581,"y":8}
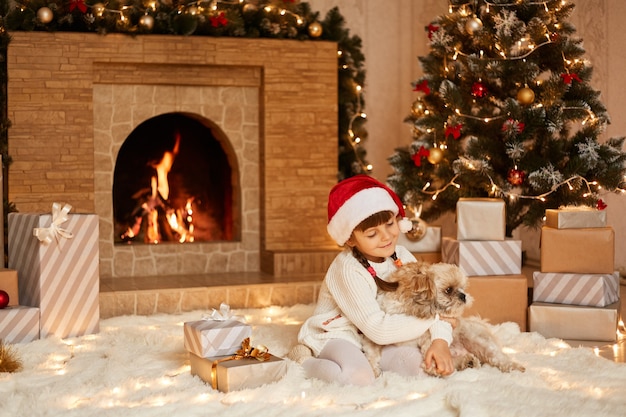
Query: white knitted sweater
{"x":347,"y":304}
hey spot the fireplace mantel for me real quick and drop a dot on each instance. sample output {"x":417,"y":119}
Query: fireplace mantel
{"x":74,"y":97}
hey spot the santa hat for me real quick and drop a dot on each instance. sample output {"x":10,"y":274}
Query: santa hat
{"x":355,"y":199}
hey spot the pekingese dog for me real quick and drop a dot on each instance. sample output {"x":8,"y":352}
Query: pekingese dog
{"x":425,"y":290}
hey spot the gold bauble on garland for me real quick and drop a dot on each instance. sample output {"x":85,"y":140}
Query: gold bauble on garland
{"x":146,"y":22}
{"x":418,"y":107}
{"x":473,"y":25}
{"x":315,"y":29}
{"x":435,"y":156}
{"x":418,"y":231}
{"x":526,"y":95}
{"x":44,"y":15}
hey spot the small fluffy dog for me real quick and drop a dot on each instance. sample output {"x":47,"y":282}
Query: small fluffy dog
{"x":425,"y":290}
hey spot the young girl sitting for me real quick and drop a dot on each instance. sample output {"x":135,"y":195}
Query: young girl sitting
{"x":363,"y":215}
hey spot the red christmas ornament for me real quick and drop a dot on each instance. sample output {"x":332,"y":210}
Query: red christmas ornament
{"x":479,"y":89}
{"x":432,"y":29}
{"x":219,"y":20}
{"x":555,"y":37}
{"x":600,"y":205}
{"x":516,"y":176}
{"x":569,"y":77}
{"x":78,"y":4}
{"x":4,"y":299}
{"x":423,"y":86}
{"x":417,"y":157}
{"x":455,"y":131}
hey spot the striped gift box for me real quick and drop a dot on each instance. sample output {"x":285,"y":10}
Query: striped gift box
{"x":61,"y":277}
{"x":19,"y":324}
{"x":597,"y":290}
{"x":484,"y":257}
{"x":207,"y":338}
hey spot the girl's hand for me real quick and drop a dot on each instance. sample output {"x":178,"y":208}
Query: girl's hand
{"x":439,"y":352}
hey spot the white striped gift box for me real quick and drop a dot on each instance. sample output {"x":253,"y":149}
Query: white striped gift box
{"x":62,"y":277}
{"x":597,"y":290}
{"x":207,"y":338}
{"x":483,"y":257}
{"x":19,"y":324}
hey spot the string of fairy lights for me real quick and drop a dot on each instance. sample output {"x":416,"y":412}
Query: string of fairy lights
{"x":525,"y":49}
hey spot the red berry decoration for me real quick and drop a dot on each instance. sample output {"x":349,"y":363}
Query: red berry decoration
{"x":600,"y":205}
{"x":4,"y":299}
{"x":516,"y":176}
{"x":479,"y":89}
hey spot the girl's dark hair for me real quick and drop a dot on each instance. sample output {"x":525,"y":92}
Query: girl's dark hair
{"x":374,"y":220}
{"x":380,"y":283}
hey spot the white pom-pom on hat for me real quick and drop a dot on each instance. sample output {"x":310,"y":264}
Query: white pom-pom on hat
{"x":355,"y":199}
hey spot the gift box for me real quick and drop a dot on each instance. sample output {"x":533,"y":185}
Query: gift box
{"x":56,"y":257}
{"x":208,"y":338}
{"x":597,"y":290}
{"x":430,"y":242}
{"x":226,"y":374}
{"x":572,"y":322}
{"x":483,"y":257}
{"x":431,"y":257}
{"x":499,"y":299}
{"x":583,"y":251}
{"x":480,"y":219}
{"x":19,"y":324}
{"x":8,"y":283}
{"x":575,"y":218}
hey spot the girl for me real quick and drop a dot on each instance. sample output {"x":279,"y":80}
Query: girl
{"x":362,"y":215}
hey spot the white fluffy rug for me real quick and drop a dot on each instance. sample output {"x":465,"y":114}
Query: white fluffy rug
{"x":137,"y":366}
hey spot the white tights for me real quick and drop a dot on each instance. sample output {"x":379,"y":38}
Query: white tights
{"x":341,"y":361}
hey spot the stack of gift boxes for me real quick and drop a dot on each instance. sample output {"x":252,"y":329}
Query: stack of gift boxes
{"x":492,"y":262}
{"x":220,"y":353}
{"x":576,"y":292}
{"x":53,"y":273}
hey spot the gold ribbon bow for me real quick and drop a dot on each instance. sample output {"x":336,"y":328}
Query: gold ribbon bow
{"x":260,"y":353}
{"x":54,"y":231}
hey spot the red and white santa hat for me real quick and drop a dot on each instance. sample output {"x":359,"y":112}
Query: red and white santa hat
{"x":355,"y":199}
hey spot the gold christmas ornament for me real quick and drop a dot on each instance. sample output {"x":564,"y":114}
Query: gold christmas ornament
{"x":473,"y":25}
{"x":44,"y":15}
{"x":249,"y":7}
{"x":98,"y":9}
{"x":435,"y":156}
{"x":417,"y":109}
{"x":418,"y":231}
{"x":526,"y":95}
{"x":146,"y":21}
{"x":315,"y":29}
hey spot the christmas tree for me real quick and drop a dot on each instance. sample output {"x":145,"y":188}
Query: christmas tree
{"x":505,"y":109}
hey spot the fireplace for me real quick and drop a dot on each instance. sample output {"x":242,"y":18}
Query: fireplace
{"x":173,"y":182}
{"x":268,"y":107}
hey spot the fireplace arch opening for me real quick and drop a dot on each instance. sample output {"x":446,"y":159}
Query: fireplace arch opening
{"x":176,"y":180}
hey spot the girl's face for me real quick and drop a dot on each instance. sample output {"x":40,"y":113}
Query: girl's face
{"x":378,"y":242}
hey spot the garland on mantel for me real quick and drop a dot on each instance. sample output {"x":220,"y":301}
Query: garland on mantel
{"x":279,"y":19}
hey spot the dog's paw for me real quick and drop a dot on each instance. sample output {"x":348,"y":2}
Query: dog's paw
{"x":466,"y":361}
{"x":509,"y":366}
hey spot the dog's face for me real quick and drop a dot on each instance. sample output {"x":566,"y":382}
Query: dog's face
{"x":427,"y":289}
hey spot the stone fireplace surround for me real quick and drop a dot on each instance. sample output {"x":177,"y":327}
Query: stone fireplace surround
{"x":74,"y":98}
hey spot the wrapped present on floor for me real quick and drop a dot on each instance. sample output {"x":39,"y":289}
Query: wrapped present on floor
{"x":480,"y":219}
{"x":249,"y":367}
{"x":429,"y":241}
{"x":596,"y":290}
{"x":483,"y":257}
{"x":499,"y":299}
{"x":216,"y":335}
{"x":8,"y":283}
{"x":56,"y":257}
{"x":578,"y":217}
{"x":19,"y":324}
{"x":584,"y":251}
{"x":571,"y":322}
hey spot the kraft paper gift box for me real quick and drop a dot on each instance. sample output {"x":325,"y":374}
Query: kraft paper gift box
{"x":583,"y":251}
{"x":430,"y":242}
{"x":19,"y":324}
{"x":208,"y":338}
{"x":8,"y":283}
{"x":480,"y":219}
{"x":563,"y":321}
{"x":431,"y":257}
{"x":575,"y":218}
{"x":483,"y":257}
{"x":595,"y":290}
{"x":499,"y":299}
{"x":59,"y":273}
{"x":233,"y":375}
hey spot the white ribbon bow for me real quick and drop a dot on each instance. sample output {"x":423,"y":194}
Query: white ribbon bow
{"x":223,"y":314}
{"x":54,"y":231}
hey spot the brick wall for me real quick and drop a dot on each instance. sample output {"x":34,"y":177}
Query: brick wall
{"x":51,"y":140}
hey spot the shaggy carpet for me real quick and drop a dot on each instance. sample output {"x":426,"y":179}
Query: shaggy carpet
{"x":137,"y":366}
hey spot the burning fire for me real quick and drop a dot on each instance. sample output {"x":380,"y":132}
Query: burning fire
{"x":160,"y":217}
